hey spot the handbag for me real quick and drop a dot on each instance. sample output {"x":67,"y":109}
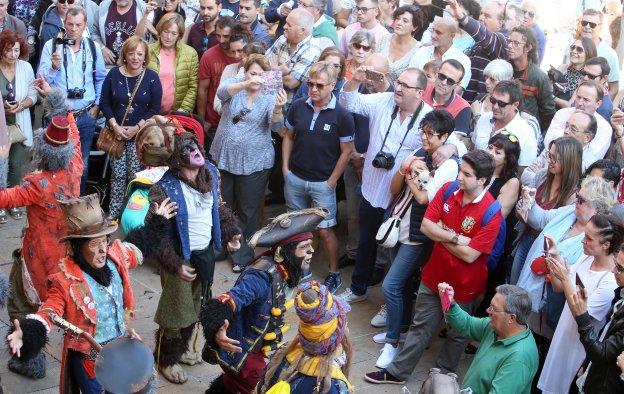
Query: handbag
{"x":107,"y":140}
{"x":16,"y":134}
{"x":388,"y":233}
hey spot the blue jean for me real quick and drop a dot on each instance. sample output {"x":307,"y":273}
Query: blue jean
{"x":86,"y":128}
{"x":522,"y":250}
{"x":87,"y":385}
{"x":301,"y":194}
{"x":370,"y":220}
{"x":399,"y":285}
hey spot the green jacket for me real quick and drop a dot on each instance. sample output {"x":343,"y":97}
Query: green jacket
{"x":327,"y":29}
{"x":500,"y":366}
{"x":186,"y":68}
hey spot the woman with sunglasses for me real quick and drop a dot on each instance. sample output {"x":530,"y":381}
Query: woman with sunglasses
{"x":335,"y":57}
{"x":593,"y":271}
{"x":243,"y":149}
{"x":555,"y":186}
{"x":400,"y":46}
{"x":565,"y":85}
{"x":361,"y":46}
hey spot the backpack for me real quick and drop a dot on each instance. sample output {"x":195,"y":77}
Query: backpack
{"x":493,"y":209}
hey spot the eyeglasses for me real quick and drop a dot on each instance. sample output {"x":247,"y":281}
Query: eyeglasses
{"x":66,"y":1}
{"x":580,"y":200}
{"x":516,"y":43}
{"x":590,"y":76}
{"x":363,"y":9}
{"x":500,"y":103}
{"x":529,"y":14}
{"x":577,"y":49}
{"x":403,"y":85}
{"x":509,"y":136}
{"x":491,"y":309}
{"x":318,"y":86}
{"x":588,"y":23}
{"x":357,"y":47}
{"x":618,"y":267}
{"x":552,"y":158}
{"x":429,"y":134}
{"x":445,"y":79}
{"x":338,"y":66}
{"x":239,"y":116}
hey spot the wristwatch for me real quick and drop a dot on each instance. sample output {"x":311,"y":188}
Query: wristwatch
{"x":455,"y":239}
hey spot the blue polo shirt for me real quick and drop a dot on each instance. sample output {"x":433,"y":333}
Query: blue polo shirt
{"x":318,"y":135}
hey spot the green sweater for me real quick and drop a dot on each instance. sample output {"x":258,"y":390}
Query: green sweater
{"x":326,"y":29}
{"x":500,"y":366}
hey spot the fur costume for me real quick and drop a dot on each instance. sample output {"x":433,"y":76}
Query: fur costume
{"x":256,"y":304}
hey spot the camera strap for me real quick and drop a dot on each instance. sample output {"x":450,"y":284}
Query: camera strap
{"x":84,"y":63}
{"x":409,"y":126}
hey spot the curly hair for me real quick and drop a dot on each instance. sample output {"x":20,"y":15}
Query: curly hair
{"x":8,"y":38}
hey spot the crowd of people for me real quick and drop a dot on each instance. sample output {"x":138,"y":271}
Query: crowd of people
{"x":483,"y":190}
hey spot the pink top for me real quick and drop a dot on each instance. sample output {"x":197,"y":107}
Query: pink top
{"x":167,"y":80}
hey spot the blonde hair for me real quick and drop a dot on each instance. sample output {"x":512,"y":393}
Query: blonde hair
{"x":171,"y":18}
{"x":324,"y":67}
{"x":131,"y":44}
{"x":599,"y":193}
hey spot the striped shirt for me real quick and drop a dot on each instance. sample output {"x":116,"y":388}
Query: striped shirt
{"x":378,"y":108}
{"x":488,"y":46}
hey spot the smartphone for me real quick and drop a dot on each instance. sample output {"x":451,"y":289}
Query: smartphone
{"x":374,"y":76}
{"x":446,"y":301}
{"x":546,"y":247}
{"x":160,"y":3}
{"x":579,"y":282}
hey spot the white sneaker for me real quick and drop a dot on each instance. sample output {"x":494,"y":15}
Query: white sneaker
{"x":350,"y":298}
{"x":379,"y":320}
{"x":387,"y":355}
{"x":381,"y":337}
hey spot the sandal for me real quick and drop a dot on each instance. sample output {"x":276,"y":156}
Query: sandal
{"x":16,"y":213}
{"x":3,"y":216}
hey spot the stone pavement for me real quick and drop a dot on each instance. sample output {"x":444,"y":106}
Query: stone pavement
{"x":146,"y":286}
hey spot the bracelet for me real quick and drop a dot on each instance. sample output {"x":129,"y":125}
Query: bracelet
{"x":401,"y":172}
{"x":462,"y":19}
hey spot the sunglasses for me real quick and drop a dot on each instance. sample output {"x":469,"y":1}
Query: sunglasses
{"x":529,"y":14}
{"x":445,"y":79}
{"x":500,"y":103}
{"x":318,"y":86}
{"x":577,"y":49}
{"x":580,"y":200}
{"x":239,"y":116}
{"x":66,"y":1}
{"x":588,"y":23}
{"x":509,"y":136}
{"x":357,"y":47}
{"x":590,"y":76}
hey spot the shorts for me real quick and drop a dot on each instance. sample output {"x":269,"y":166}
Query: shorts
{"x":301,"y":194}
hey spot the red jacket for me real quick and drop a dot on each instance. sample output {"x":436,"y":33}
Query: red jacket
{"x":40,"y":191}
{"x":67,"y":297}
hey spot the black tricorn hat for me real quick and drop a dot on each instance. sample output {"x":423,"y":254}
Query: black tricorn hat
{"x":288,"y":225}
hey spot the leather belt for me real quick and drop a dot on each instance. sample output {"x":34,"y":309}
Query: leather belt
{"x":79,"y":112}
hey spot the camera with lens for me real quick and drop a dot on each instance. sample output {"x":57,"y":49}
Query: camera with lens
{"x":75,"y":93}
{"x":64,"y":41}
{"x":383,"y":160}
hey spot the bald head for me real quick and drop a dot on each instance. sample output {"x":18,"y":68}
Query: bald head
{"x":444,"y":30}
{"x":304,"y":19}
{"x":378,"y":62}
{"x":492,"y":16}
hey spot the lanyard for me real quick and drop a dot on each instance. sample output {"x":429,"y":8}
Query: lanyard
{"x":409,"y":126}
{"x":84,"y":64}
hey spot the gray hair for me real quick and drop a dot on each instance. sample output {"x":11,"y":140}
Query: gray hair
{"x":517,"y":302}
{"x":305,"y":19}
{"x":361,"y":36}
{"x":75,"y":11}
{"x":499,"y":69}
{"x":319,"y":4}
{"x":599,"y":193}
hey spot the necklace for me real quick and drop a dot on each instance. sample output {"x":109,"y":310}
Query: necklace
{"x":131,"y":109}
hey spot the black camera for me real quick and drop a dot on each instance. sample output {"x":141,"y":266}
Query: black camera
{"x":64,"y":41}
{"x":75,"y":93}
{"x":383,"y":160}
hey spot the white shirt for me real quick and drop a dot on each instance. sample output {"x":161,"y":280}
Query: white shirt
{"x":484,"y":130}
{"x":199,"y":210}
{"x":599,"y":145}
{"x":378,"y":107}
{"x":425,"y":54}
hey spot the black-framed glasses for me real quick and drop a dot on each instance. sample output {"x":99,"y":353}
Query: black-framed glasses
{"x":576,"y":48}
{"x":580,"y":200}
{"x":516,"y":43}
{"x":589,"y":75}
{"x":588,"y":23}
{"x":509,"y":136}
{"x":500,"y":103}
{"x":239,"y":116}
{"x":363,"y":9}
{"x":357,"y":47}
{"x":528,"y":13}
{"x":445,"y":79}
{"x":403,"y":85}
{"x":428,"y":133}
{"x":318,"y":86}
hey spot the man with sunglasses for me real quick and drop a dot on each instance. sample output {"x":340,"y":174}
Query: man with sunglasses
{"x":529,"y":11}
{"x":591,"y":27}
{"x":441,"y":95}
{"x":505,"y":118}
{"x":368,"y":19}
{"x":442,"y":48}
{"x":597,"y":69}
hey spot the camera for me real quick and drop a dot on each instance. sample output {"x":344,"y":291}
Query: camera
{"x":64,"y":41}
{"x":383,"y":160}
{"x":75,"y":93}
